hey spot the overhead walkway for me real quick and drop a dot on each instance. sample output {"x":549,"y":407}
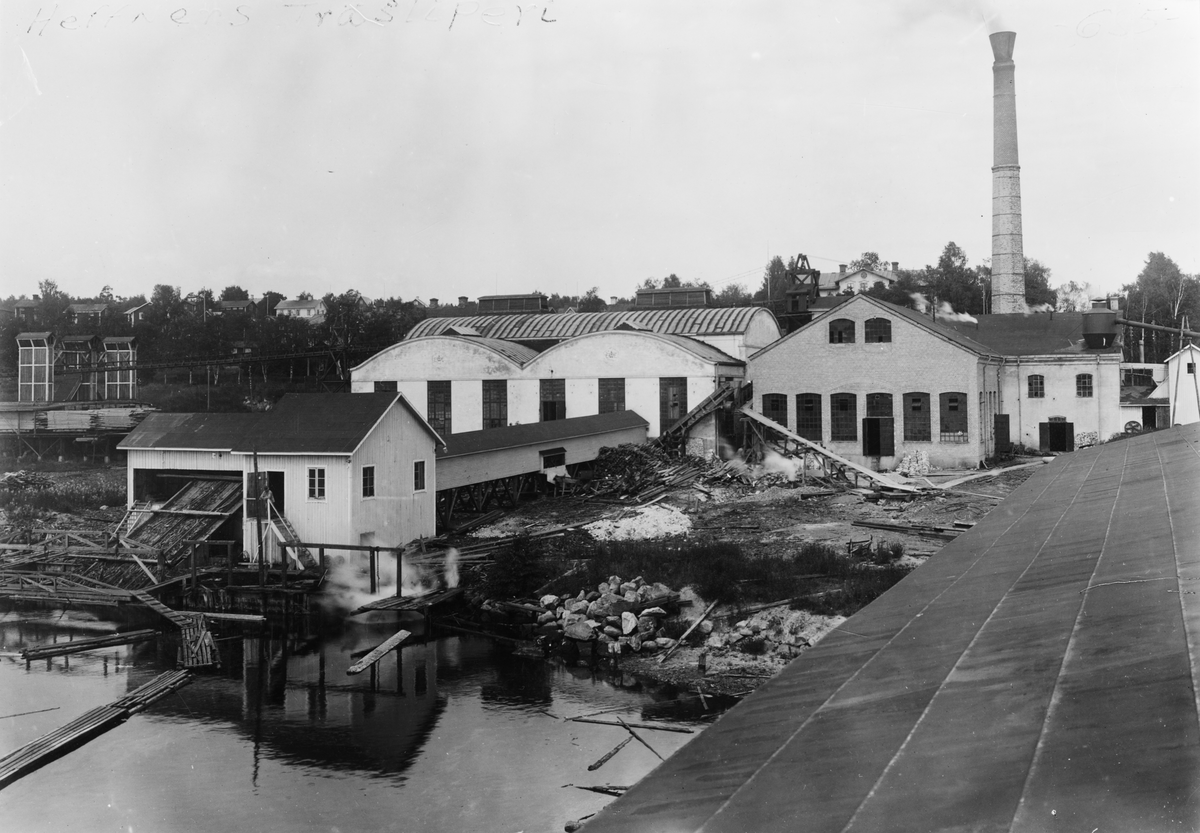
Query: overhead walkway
{"x":1039,"y":673}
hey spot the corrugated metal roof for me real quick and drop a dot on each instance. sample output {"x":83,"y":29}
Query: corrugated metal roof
{"x":301,"y":423}
{"x":538,"y":433}
{"x":697,"y":348}
{"x":556,"y":327}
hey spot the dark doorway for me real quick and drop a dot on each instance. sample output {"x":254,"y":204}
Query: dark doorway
{"x":275,"y":484}
{"x":672,"y":401}
{"x":1056,"y":436}
{"x":1149,"y":417}
{"x":1003,"y":441}
{"x":879,"y":436}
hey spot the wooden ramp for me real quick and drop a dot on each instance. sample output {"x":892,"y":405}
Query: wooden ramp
{"x":848,"y":469}
{"x":92,"y":724}
{"x":379,"y":652}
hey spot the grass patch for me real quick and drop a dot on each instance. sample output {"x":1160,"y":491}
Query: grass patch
{"x":820,"y":577}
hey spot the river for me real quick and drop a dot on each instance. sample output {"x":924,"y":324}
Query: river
{"x":454,"y":734}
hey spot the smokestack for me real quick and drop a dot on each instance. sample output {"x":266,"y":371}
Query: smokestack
{"x":1008,"y":255}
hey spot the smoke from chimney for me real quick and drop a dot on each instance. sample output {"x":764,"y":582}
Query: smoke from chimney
{"x":1008,"y":255}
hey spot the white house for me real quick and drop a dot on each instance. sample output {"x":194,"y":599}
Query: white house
{"x":1181,"y":389}
{"x":313,"y":311}
{"x":340,"y":469}
{"x":860,"y":280}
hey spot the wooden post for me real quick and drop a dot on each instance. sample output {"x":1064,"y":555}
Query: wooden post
{"x":262,"y":560}
{"x":321,"y":557}
{"x":161,"y":570}
{"x":373,"y":567}
{"x":195,"y":575}
{"x":283,"y":549}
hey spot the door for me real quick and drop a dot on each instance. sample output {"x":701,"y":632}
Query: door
{"x":879,"y":436}
{"x":1003,"y":443}
{"x":1056,"y":436}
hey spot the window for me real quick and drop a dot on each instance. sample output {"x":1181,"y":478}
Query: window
{"x":841,"y":331}
{"x":843,"y":417}
{"x":774,"y":407}
{"x":612,"y":396}
{"x":916,"y":418}
{"x":1083,"y":385}
{"x":495,"y":403}
{"x":419,"y":476}
{"x":554,"y":399}
{"x":316,"y":484}
{"x":808,"y":416}
{"x":554,"y":457}
{"x":672,"y":401}
{"x":368,"y":481}
{"x":879,"y":404}
{"x":1037,"y":386}
{"x":1191,"y":368}
{"x":438,"y":406}
{"x":877,"y":330}
{"x":386,"y":387}
{"x":954,"y":417}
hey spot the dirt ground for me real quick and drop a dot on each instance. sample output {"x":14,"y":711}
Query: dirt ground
{"x":765,"y":519}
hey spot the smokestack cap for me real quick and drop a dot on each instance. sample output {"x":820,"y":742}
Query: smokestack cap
{"x":1002,"y":45}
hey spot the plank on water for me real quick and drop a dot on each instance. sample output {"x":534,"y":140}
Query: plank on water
{"x":379,"y":653}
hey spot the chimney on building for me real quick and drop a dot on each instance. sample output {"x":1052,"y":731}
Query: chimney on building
{"x":1008,"y":254}
{"x":433,"y":302}
{"x":462,"y":300}
{"x":841,"y":268}
{"x":895,"y":266}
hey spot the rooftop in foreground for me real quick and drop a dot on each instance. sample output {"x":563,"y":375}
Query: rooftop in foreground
{"x":1038,"y":673}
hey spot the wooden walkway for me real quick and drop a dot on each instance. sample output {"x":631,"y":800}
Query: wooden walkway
{"x":199,"y":650}
{"x":422,"y":602}
{"x":92,"y":724}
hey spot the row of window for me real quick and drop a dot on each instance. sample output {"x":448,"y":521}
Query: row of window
{"x":316,"y":480}
{"x":843,"y":415}
{"x":1083,"y":386}
{"x":875,"y":331}
{"x":552,"y":395}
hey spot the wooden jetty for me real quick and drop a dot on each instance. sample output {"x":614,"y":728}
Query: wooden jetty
{"x":92,"y":724}
{"x":59,"y":649}
{"x":379,"y":652}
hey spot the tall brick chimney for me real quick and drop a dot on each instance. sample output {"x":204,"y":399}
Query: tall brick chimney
{"x":1008,"y":255}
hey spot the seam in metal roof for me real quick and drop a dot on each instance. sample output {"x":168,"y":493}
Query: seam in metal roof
{"x":550,"y":326}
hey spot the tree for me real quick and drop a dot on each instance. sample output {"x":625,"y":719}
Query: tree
{"x":733,"y":295}
{"x":1037,"y":285}
{"x":1073,"y":297}
{"x":234,"y":293}
{"x":869,"y":260}
{"x":775,"y":281}
{"x":592,"y":302}
{"x":955,"y":283}
{"x":1162,"y":295}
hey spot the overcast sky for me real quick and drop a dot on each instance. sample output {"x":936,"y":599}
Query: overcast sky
{"x":470,"y":148}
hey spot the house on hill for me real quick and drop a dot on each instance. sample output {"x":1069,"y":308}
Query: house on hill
{"x":873,"y":382}
{"x":860,"y":280}
{"x":333,"y":468}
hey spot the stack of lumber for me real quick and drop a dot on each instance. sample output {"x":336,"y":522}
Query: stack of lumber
{"x":76,"y":646}
{"x":87,"y":726}
{"x":640,"y":472}
{"x":192,"y":514}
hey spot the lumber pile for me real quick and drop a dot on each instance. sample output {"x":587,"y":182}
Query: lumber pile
{"x":944,"y":533}
{"x":18,"y":480}
{"x":32,"y":756}
{"x":637,"y":473}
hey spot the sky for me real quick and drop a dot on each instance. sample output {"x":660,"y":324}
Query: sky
{"x":438,"y":148}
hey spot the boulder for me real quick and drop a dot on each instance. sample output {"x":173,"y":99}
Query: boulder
{"x":715,"y":641}
{"x":591,"y":597}
{"x":654,"y":611}
{"x":548,"y":616}
{"x":631,"y":597}
{"x":666,"y":643}
{"x":627,"y":588}
{"x":599,"y":608}
{"x":635,"y":643}
{"x":579,"y":606}
{"x":579,"y":630}
{"x":649,"y":646}
{"x":629,"y":623}
{"x":618,"y":604}
{"x":603,"y":588}
{"x":615,"y":621}
{"x":548,"y":601}
{"x":646,"y":627}
{"x":611,"y":632}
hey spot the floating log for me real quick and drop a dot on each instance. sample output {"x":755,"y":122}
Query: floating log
{"x":605,"y":759}
{"x":640,"y":739}
{"x":652,"y":726}
{"x":36,"y":754}
{"x":63,"y":648}
{"x":603,"y":789}
{"x":379,"y":653}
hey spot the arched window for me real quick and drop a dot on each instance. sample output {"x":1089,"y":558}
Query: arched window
{"x":774,"y":407}
{"x":1037,"y":386}
{"x":879,"y":404}
{"x":916,"y":418}
{"x":843,"y":417}
{"x":877,"y":330}
{"x":1083,"y":385}
{"x":954,"y":417}
{"x":841,"y":331}
{"x":808,"y":416}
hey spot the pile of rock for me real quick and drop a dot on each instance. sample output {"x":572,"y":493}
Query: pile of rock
{"x":623,"y":616}
{"x":777,"y":632}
